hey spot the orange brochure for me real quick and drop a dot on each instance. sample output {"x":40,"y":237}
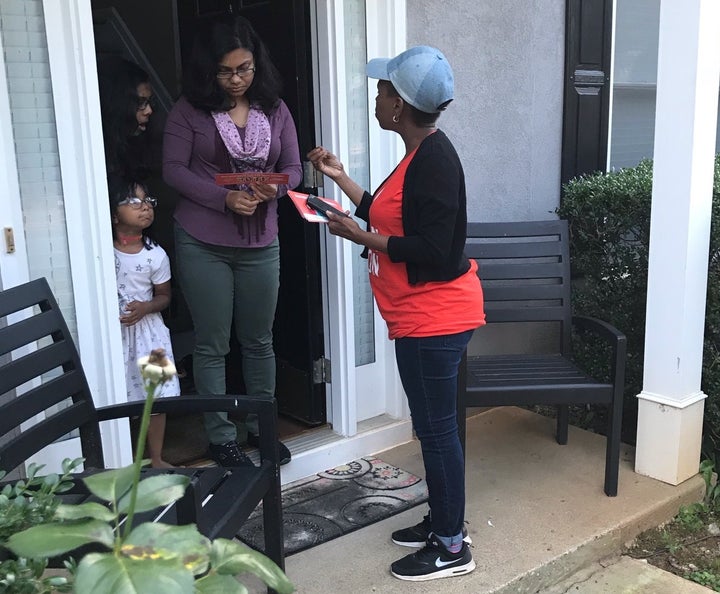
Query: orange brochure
{"x":308,"y":213}
{"x":250,"y":177}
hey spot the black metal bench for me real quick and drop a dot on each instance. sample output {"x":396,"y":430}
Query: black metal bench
{"x":525,"y":273}
{"x":218,"y":500}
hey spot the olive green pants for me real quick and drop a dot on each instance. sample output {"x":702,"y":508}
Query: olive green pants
{"x":226,"y":286}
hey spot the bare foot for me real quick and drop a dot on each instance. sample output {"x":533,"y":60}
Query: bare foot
{"x":160,"y":463}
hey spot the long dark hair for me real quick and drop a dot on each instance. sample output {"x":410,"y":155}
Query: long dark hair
{"x":126,"y":153}
{"x":119,"y":188}
{"x":200,"y":85}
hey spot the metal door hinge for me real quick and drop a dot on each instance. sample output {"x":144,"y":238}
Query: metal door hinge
{"x":321,"y":371}
{"x":312,"y":178}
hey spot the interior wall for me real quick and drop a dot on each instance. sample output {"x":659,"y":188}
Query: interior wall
{"x":506,"y":119}
{"x":155,"y":31}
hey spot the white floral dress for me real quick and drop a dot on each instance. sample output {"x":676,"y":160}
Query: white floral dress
{"x":136,"y":274}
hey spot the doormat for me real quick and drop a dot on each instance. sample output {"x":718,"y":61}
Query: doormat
{"x":338,"y":501}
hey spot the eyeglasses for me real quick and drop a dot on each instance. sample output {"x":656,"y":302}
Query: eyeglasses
{"x":241,"y":72}
{"x":136,"y":203}
{"x":142,"y":103}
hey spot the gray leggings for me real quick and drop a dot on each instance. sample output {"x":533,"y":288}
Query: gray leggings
{"x":221,"y":284}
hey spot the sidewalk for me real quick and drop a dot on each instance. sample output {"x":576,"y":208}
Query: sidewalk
{"x":536,"y":512}
{"x":624,"y":576}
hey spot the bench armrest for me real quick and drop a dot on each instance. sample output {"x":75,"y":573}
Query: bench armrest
{"x":616,"y":340}
{"x":265,"y":407}
{"x":604,"y":329}
{"x":191,"y":404}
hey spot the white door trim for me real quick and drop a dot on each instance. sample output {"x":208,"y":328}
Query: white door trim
{"x":330,"y":118}
{"x":386,"y":26}
{"x":71,"y":48}
{"x":13,"y":267}
{"x":386,"y":33}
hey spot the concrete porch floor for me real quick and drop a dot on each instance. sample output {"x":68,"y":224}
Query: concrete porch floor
{"x":536,"y":512}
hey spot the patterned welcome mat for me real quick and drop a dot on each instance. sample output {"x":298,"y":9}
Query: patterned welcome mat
{"x":338,"y":501}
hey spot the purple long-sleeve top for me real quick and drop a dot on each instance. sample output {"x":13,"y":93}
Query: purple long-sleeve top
{"x":193,"y":153}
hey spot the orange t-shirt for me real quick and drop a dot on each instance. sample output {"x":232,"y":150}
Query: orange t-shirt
{"x":424,"y":309}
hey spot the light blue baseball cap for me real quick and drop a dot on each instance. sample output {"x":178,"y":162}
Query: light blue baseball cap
{"x":421,"y":75}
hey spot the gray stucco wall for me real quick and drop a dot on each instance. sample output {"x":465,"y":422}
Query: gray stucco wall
{"x":506,"y":119}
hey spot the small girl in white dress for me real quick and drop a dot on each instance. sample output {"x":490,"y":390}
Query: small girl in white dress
{"x":142,"y":269}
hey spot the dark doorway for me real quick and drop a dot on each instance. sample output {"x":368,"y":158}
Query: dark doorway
{"x":158,"y":36}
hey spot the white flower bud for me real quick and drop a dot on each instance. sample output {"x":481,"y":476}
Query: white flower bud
{"x":169,"y":370}
{"x":151,"y":372}
{"x":156,"y":367}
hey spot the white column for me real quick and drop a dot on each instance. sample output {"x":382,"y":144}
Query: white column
{"x":671,"y":404}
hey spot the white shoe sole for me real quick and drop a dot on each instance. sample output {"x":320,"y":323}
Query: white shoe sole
{"x":417,"y":544}
{"x":450,"y":572}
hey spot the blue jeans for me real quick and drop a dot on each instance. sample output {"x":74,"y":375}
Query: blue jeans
{"x":429,"y":370}
{"x":222,"y":285}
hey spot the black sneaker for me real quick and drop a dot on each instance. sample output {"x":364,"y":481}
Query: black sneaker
{"x":416,"y":536}
{"x":432,"y":562}
{"x":285,"y":456}
{"x":229,"y":455}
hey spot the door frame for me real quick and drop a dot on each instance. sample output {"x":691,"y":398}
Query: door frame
{"x":13,"y":267}
{"x":386,"y":36}
{"x":71,"y":53}
{"x":71,"y":49}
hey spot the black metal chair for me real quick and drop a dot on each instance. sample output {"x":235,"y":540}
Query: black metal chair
{"x":218,"y":500}
{"x":525,"y":273}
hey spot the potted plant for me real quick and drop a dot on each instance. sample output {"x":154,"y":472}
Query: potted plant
{"x":151,"y":557}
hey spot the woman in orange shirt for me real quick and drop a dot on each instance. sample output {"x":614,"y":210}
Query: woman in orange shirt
{"x":427,"y":291}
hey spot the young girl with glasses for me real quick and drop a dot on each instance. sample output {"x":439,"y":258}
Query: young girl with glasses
{"x":142,"y":269}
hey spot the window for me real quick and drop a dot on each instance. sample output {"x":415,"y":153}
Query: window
{"x":632,"y":130}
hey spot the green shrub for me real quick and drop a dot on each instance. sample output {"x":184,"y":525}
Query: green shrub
{"x":609,"y":218}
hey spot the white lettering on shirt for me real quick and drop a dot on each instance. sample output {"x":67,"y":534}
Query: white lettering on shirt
{"x":373,"y":260}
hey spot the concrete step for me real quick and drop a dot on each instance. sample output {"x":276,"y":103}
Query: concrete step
{"x":536,"y":511}
{"x":626,"y":575}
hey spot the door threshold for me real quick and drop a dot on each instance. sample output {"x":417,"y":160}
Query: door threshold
{"x":320,"y":449}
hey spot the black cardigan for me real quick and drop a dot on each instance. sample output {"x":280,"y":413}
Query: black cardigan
{"x":434,"y":214}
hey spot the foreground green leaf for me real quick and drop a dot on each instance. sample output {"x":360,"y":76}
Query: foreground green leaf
{"x":100,"y":573}
{"x":80,"y":511}
{"x":231,"y":558}
{"x":219,"y":584}
{"x":50,"y":540}
{"x":110,"y":485}
{"x":183,"y":543}
{"x":156,"y":491}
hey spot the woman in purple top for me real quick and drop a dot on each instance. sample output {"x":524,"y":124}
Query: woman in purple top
{"x":230,"y":119}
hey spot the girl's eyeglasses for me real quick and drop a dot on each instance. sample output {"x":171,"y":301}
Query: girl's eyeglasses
{"x":241,"y":72}
{"x":136,"y":203}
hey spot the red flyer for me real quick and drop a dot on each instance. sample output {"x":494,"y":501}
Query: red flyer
{"x":308,"y":213}
{"x":250,"y":177}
